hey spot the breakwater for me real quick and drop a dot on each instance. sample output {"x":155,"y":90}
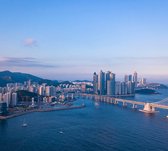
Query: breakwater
{"x":41,"y":110}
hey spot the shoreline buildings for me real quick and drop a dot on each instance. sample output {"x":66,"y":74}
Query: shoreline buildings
{"x":106,"y":84}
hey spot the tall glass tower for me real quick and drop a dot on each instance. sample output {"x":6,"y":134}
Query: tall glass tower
{"x":110,"y":83}
{"x":95,"y":83}
{"x":135,"y":78}
{"x":101,"y":83}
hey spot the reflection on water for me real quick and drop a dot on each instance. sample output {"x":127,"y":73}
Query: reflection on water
{"x":3,"y":125}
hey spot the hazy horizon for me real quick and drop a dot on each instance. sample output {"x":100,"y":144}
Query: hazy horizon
{"x":149,"y":78}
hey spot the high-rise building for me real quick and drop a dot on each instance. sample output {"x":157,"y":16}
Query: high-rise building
{"x":1,"y":97}
{"x":106,"y":85}
{"x":41,"y":90}
{"x":14,"y":99}
{"x":32,"y":89}
{"x":7,"y":98}
{"x":101,"y":83}
{"x":29,"y":83}
{"x":83,"y":88}
{"x":95,"y":83}
{"x":118,"y":88}
{"x":107,"y":78}
{"x":143,"y":81}
{"x":47,"y":90}
{"x":123,"y":88}
{"x":127,"y":78}
{"x":50,"y":91}
{"x":130,"y":87}
{"x":135,"y":78}
{"x":110,"y":83}
{"x":130,"y":77}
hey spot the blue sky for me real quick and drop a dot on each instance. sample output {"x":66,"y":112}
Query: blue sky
{"x":70,"y":39}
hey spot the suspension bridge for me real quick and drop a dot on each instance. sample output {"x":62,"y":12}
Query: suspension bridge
{"x":147,"y":107}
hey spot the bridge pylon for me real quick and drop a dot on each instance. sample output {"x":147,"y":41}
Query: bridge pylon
{"x":148,"y":108}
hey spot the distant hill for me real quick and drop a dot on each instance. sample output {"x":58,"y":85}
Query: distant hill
{"x":66,"y":82}
{"x":157,"y":86}
{"x":82,"y":81}
{"x":13,"y":77}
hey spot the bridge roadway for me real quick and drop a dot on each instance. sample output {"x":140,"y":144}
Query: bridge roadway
{"x":112,"y":100}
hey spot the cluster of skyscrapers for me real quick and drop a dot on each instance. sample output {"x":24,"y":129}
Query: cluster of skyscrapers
{"x":106,"y":84}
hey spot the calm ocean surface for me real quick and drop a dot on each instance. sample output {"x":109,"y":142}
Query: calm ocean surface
{"x":104,"y":128}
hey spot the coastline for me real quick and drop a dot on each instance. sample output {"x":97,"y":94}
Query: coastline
{"x":16,"y":114}
{"x":41,"y":110}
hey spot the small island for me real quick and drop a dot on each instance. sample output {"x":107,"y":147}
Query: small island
{"x":146,"y":91}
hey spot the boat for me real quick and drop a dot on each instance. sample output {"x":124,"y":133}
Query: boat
{"x":96,"y":104}
{"x":24,"y":124}
{"x":83,"y":105}
{"x":61,"y":132}
{"x":167,"y":116}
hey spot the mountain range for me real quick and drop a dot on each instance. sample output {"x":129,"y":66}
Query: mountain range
{"x":17,"y":77}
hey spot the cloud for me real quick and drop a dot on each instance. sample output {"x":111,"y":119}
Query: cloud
{"x":23,"y":62}
{"x":30,"y":42}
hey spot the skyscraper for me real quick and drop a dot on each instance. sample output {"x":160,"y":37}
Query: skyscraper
{"x":41,"y":90}
{"x":130,"y":87}
{"x":127,"y":78}
{"x":118,"y":88}
{"x":105,"y":84}
{"x":130,"y":77}
{"x":50,"y":91}
{"x":107,"y":78}
{"x":101,"y":83}
{"x":110,"y":83}
{"x":135,"y":78}
{"x":123,"y":88}
{"x":95,"y":83}
{"x":47,"y":90}
{"x":143,"y":81}
{"x":7,"y":98}
{"x":14,"y":99}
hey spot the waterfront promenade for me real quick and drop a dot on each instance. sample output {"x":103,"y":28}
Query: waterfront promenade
{"x":42,"y":110}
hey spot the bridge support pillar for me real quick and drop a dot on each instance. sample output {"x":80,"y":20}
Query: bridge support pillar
{"x":134,"y":106}
{"x":115,"y":102}
{"x":124,"y":103}
{"x":148,"y":108}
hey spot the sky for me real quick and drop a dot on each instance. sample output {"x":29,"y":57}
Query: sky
{"x":70,"y":39}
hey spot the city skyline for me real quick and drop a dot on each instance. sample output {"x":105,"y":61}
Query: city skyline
{"x":68,"y":40}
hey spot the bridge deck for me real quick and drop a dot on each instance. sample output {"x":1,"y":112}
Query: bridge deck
{"x":159,"y":106}
{"x":130,"y":101}
{"x":107,"y":98}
